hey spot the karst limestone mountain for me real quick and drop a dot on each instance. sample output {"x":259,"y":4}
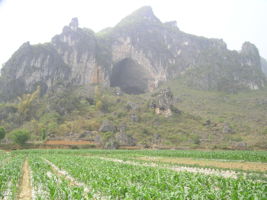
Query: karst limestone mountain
{"x":137,"y":55}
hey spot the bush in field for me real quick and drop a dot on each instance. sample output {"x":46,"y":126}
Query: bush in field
{"x":2,"y":133}
{"x":20,"y":136}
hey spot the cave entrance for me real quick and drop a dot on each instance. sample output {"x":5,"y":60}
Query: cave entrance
{"x":131,"y":77}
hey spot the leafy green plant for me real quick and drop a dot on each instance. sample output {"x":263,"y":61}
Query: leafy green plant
{"x":10,"y":172}
{"x":116,"y":180}
{"x":47,"y":185}
{"x":20,"y":136}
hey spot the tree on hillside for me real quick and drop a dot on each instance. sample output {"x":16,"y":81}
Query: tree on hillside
{"x":2,"y":133}
{"x":20,"y":136}
{"x":25,"y":103}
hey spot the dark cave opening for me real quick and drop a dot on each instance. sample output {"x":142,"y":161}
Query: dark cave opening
{"x":131,"y":77}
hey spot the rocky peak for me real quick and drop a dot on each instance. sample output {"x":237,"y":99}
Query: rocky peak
{"x":250,"y":56}
{"x":172,"y":24}
{"x":74,"y":24}
{"x":144,"y":14}
{"x":25,"y":45}
{"x":249,"y":49}
{"x":218,"y":43}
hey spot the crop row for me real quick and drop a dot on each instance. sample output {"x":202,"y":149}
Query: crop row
{"x":47,"y":185}
{"x":10,"y":173}
{"x":125,"y":181}
{"x":3,"y":156}
{"x":253,"y":156}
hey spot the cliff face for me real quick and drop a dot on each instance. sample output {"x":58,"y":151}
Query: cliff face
{"x":78,"y":48}
{"x":31,"y":66}
{"x":136,"y":55}
{"x":225,"y":70}
{"x":264,"y":65}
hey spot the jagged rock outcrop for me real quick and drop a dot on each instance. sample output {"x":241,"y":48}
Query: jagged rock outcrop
{"x":136,"y":55}
{"x":123,"y":138}
{"x":163,"y":102}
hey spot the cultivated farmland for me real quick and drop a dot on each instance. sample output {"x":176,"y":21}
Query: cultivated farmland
{"x":139,"y":174}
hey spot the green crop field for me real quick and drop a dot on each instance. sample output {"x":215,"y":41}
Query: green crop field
{"x":124,"y":174}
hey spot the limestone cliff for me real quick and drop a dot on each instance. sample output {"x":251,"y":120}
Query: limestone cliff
{"x":136,"y":55}
{"x":31,"y":66}
{"x":264,"y":65}
{"x":79,"y":49}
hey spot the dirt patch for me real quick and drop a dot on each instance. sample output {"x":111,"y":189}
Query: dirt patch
{"x":130,"y":147}
{"x":261,"y":167}
{"x":68,"y":142}
{"x":25,"y":188}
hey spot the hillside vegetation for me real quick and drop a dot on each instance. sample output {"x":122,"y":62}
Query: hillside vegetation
{"x":110,"y":118}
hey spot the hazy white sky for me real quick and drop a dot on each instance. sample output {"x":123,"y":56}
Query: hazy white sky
{"x":37,"y":21}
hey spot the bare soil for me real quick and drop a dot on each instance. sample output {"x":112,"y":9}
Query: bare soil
{"x":25,"y":188}
{"x":68,"y":142}
{"x":251,"y":166}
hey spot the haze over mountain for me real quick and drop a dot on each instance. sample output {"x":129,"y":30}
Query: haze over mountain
{"x":235,"y":22}
{"x":136,"y":55}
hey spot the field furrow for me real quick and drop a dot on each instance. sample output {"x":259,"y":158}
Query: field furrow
{"x":48,"y":185}
{"x":26,"y":189}
{"x":238,"y":165}
{"x":118,"y":180}
{"x":72,"y":181}
{"x":206,"y":171}
{"x":65,"y":174}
